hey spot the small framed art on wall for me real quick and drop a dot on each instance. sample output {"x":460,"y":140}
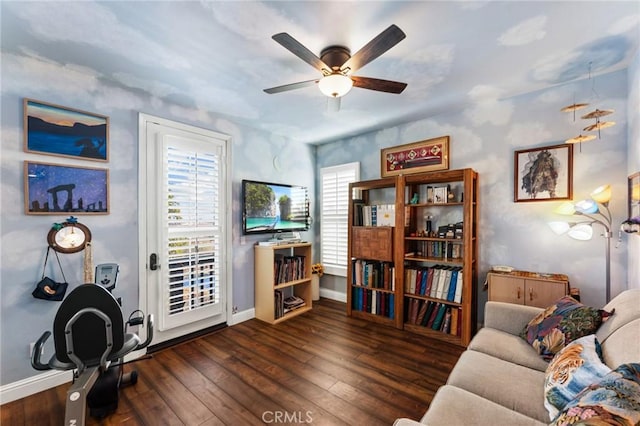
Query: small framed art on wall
{"x":543,"y":174}
{"x":55,"y":189}
{"x":66,"y":132}
{"x":417,"y":157}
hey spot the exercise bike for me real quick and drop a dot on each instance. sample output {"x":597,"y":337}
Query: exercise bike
{"x":90,"y":337}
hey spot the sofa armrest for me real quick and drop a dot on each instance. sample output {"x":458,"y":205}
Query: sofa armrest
{"x":508,"y":317}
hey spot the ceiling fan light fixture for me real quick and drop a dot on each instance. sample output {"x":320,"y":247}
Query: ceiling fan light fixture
{"x":335,"y":85}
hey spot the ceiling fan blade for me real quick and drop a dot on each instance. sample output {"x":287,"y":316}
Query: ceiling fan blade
{"x":376,"y":47}
{"x":292,"y":86}
{"x":378,"y":84}
{"x":295,"y":47}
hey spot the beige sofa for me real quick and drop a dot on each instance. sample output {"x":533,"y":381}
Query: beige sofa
{"x":499,"y":379}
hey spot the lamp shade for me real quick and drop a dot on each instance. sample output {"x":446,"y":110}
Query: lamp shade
{"x":559,"y":227}
{"x":602,"y":194}
{"x":581,"y":231}
{"x":335,"y":85}
{"x":586,"y":206}
{"x":565,"y":208}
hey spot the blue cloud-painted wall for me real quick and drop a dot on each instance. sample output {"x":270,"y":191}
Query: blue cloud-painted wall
{"x":485,"y":136}
{"x":115,"y":236}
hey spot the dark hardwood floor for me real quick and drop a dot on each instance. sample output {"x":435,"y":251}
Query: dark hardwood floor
{"x":321,"y":368}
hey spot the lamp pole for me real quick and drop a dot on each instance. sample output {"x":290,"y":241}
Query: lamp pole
{"x":607,"y":235}
{"x":598,"y":205}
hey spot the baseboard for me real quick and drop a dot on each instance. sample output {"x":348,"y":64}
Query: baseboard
{"x":34,"y":384}
{"x":243,"y":316}
{"x":333,"y":295}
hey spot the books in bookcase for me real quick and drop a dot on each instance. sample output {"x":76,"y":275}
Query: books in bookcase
{"x":437,"y":316}
{"x":445,"y":250}
{"x":283,"y":304}
{"x":374,"y":215}
{"x":373,"y":301}
{"x":288,"y":268}
{"x":438,"y":282}
{"x":373,"y":274}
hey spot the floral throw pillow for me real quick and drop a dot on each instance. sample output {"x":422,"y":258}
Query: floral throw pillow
{"x":560,"y":324}
{"x":614,"y":400}
{"x":574,"y":368}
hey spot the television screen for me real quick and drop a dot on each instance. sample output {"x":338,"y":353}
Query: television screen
{"x":269,"y":208}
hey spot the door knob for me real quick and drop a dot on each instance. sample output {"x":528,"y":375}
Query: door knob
{"x":153,"y":262}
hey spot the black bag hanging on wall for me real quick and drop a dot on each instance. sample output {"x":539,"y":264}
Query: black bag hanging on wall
{"x":48,"y":289}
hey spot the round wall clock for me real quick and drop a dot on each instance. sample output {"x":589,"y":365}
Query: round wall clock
{"x":68,"y":237}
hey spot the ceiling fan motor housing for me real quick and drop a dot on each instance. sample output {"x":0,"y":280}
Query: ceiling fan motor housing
{"x":335,"y":56}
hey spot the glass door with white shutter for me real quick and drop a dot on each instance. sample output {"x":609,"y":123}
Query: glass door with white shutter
{"x":190,"y":233}
{"x":186,"y":230}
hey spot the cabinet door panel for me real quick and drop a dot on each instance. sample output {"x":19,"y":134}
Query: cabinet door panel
{"x":506,"y":289}
{"x":372,"y":243}
{"x":544,"y":293}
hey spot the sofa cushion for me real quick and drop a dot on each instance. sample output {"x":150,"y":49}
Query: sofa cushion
{"x":452,"y":406}
{"x":560,"y":324}
{"x":574,"y":368}
{"x":513,"y":386}
{"x":508,"y":347}
{"x":615,"y":399}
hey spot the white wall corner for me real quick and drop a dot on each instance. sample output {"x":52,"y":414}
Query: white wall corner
{"x":333,"y":295}
{"x":243,"y":316}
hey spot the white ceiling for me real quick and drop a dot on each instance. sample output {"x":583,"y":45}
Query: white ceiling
{"x":217,"y":57}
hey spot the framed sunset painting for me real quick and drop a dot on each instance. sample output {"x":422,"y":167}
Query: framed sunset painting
{"x":66,"y":132}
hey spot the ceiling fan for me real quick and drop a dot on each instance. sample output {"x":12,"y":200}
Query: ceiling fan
{"x":337,"y":65}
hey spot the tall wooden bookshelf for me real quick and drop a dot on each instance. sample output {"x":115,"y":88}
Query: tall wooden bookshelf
{"x":448,"y":252}
{"x":371,"y":292}
{"x":284,"y":269}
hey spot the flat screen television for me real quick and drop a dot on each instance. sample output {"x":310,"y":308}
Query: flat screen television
{"x":269,"y":208}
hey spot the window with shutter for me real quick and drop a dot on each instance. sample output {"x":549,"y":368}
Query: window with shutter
{"x":334,"y":200}
{"x":191,"y":230}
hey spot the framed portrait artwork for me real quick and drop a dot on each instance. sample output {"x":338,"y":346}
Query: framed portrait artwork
{"x":56,"y":189}
{"x":543,"y":174}
{"x":417,"y":157}
{"x":56,"y":130}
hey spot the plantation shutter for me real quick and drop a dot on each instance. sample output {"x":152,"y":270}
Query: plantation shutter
{"x":334,"y":216}
{"x":191,"y":215}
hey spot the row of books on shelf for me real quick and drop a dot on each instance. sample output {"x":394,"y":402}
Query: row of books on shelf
{"x":373,"y":302}
{"x":374,"y":215}
{"x":288,"y":268}
{"x":437,"y":249}
{"x":374,"y":274}
{"x":439,"y":282}
{"x":286,"y":304}
{"x":434,"y":315}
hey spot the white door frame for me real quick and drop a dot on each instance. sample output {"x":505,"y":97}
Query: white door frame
{"x":142,"y":210}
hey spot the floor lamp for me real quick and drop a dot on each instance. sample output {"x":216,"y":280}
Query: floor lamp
{"x":595,"y":210}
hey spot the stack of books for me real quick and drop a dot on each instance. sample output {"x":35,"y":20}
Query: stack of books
{"x":292,"y":302}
